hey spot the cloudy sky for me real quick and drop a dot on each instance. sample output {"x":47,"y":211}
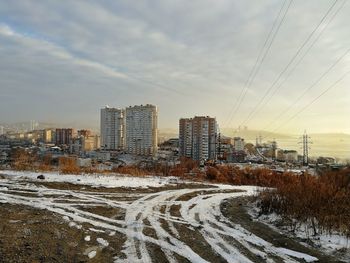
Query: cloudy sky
{"x":61,"y":61}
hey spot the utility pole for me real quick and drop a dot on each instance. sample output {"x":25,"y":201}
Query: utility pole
{"x":274,"y":148}
{"x":306,"y":142}
{"x":219,"y":146}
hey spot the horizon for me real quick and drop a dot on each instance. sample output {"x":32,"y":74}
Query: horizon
{"x":170,"y":129}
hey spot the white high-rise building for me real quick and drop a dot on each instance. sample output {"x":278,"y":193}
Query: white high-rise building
{"x":33,"y":125}
{"x":112,"y":128}
{"x":141,"y":126}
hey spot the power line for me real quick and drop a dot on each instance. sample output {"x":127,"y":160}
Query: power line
{"x":305,"y":53}
{"x":289,"y":63}
{"x":311,"y":102}
{"x":254,"y":67}
{"x":260,"y":59}
{"x":308,"y":89}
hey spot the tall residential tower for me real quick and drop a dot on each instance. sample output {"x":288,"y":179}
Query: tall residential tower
{"x":198,"y":138}
{"x":141,"y":125}
{"x":112,"y":128}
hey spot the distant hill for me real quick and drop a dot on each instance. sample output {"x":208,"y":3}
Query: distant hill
{"x":166,"y":134}
{"x":251,"y":135}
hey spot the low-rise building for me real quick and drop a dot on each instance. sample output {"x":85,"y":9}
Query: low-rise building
{"x":238,"y":144}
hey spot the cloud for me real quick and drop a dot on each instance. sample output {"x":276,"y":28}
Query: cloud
{"x":186,"y":57}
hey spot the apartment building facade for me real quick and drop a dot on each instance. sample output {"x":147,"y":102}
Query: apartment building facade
{"x":112,"y":128}
{"x":141,"y":126}
{"x":65,"y":136}
{"x":198,"y":138}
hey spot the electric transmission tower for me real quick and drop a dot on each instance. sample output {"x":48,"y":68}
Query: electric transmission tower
{"x":305,"y":140}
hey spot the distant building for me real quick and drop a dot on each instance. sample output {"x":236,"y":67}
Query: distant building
{"x":112,"y":128}
{"x":85,"y":142}
{"x":325,"y":160}
{"x":33,"y":125}
{"x":65,"y":136}
{"x":238,"y":144}
{"x":90,"y":143}
{"x":186,"y":138}
{"x":1,"y":130}
{"x":48,"y":135}
{"x":290,"y":156}
{"x":198,"y":138}
{"x":225,"y":148}
{"x":141,"y":129}
{"x":84,"y":133}
{"x":171,"y":144}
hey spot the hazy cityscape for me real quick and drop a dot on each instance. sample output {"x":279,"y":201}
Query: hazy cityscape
{"x":175,"y":131}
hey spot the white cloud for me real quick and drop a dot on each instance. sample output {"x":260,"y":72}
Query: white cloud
{"x":186,"y":57}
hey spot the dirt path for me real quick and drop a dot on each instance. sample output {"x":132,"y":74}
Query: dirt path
{"x":166,"y":224}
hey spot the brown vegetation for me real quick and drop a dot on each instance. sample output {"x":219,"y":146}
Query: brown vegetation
{"x":22,"y":159}
{"x":46,"y":163}
{"x":68,"y":165}
{"x":321,"y":202}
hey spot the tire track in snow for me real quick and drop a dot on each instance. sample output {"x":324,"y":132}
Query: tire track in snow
{"x":201,"y":212}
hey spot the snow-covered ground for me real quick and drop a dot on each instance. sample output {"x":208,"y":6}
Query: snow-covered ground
{"x":198,"y":209}
{"x":95,"y":180}
{"x":328,"y":242}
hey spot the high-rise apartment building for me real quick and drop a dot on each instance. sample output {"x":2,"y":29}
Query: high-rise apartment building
{"x":141,"y":126}
{"x":112,"y":128}
{"x":65,"y":136}
{"x":198,"y":138}
{"x":33,"y":125}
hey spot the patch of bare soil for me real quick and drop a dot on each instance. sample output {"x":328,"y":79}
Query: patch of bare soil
{"x":107,"y":211}
{"x":194,"y":239}
{"x":33,"y":235}
{"x":189,"y":196}
{"x":235,"y":210}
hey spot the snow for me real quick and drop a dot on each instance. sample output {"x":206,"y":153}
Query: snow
{"x":102,"y":242}
{"x":96,"y":230}
{"x":92,"y":254}
{"x":200,"y":212}
{"x":330,"y":243}
{"x":72,"y":224}
{"x":295,"y":254}
{"x":87,"y":238}
{"x":95,"y":180}
{"x":112,"y":233}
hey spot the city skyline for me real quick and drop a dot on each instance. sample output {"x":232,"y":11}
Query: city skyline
{"x":189,"y":59}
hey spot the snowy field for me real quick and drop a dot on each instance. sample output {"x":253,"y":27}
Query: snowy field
{"x":164,"y":218}
{"x":107,"y":181}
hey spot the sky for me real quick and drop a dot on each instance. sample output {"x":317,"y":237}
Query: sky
{"x":61,"y":61}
